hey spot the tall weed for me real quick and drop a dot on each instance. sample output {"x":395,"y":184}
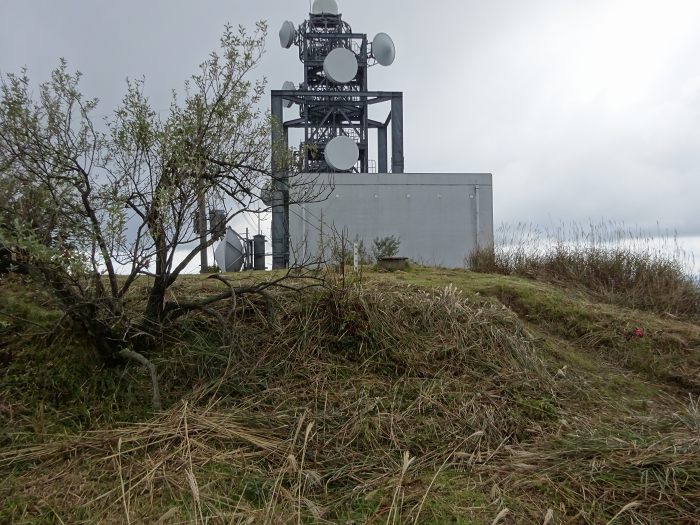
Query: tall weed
{"x":626,"y":266}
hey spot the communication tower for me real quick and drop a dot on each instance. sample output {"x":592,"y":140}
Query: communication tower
{"x":333,"y":103}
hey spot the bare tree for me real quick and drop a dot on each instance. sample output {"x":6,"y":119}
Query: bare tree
{"x":121,"y":194}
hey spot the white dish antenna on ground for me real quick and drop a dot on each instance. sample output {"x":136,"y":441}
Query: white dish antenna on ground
{"x":341,"y":153}
{"x":324,"y":7}
{"x":340,"y":65}
{"x":288,"y":86}
{"x":287,"y":34}
{"x":229,"y":254}
{"x":383,"y":49}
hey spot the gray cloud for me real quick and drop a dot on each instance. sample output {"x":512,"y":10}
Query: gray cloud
{"x":580,"y":109}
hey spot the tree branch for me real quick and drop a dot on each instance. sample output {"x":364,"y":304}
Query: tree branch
{"x":135,"y":356}
{"x":174,"y":310}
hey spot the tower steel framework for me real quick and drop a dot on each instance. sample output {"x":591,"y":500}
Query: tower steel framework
{"x":327,"y":110}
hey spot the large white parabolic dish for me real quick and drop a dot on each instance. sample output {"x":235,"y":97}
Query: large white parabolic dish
{"x":287,"y":34}
{"x":324,"y":7}
{"x":341,"y":153}
{"x":340,"y":66}
{"x":229,"y":254}
{"x":383,"y":49}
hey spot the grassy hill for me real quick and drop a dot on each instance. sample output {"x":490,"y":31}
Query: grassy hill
{"x":425,"y":396}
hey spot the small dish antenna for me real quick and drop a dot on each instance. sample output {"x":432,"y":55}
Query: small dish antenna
{"x":341,"y":153}
{"x":229,"y":254}
{"x":288,"y":86}
{"x":383,"y":49}
{"x":287,"y":34}
{"x":340,"y":66}
{"x":324,"y":7}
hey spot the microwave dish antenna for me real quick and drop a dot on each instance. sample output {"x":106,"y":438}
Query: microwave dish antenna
{"x":288,"y":86}
{"x":287,"y":34}
{"x":341,"y":153}
{"x":340,"y":66}
{"x":230,"y":254}
{"x":383,"y":49}
{"x":324,"y":7}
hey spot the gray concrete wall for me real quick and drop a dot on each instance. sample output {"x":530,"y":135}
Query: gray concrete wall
{"x":435,"y":215}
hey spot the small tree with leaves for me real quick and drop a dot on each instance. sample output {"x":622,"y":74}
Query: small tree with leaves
{"x":84,"y":200}
{"x":385,"y":247}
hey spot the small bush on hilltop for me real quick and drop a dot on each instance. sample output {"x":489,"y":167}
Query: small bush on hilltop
{"x":385,"y":247}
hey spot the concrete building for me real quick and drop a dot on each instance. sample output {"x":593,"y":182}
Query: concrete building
{"x":440,"y":218}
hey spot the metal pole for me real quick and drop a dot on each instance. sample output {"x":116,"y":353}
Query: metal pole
{"x":203,"y":232}
{"x":364,"y":133}
{"x":382,"y":152}
{"x":397,"y":133}
{"x":279,"y":228}
{"x":303,"y":233}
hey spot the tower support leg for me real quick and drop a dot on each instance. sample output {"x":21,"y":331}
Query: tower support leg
{"x":397,"y":133}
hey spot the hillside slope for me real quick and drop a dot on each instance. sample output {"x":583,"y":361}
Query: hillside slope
{"x":427,"y":396}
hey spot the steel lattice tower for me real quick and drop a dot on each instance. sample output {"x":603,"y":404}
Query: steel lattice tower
{"x":330,"y":106}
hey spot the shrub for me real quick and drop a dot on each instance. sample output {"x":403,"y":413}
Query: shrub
{"x":385,"y":247}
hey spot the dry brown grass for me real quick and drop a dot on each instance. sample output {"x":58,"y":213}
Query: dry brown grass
{"x":622,"y":265}
{"x":369,"y":402}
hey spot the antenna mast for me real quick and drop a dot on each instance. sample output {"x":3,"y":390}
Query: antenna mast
{"x":333,"y":101}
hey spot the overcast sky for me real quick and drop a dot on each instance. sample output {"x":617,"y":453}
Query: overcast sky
{"x":580,"y":108}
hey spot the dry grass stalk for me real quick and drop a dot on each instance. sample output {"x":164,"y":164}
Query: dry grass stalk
{"x":626,"y":266}
{"x":302,"y":423}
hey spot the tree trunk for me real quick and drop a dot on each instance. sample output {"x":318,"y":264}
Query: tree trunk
{"x":156,"y":297}
{"x":156,"y":300}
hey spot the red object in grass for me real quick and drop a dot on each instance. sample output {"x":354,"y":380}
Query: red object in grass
{"x":638,"y":332}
